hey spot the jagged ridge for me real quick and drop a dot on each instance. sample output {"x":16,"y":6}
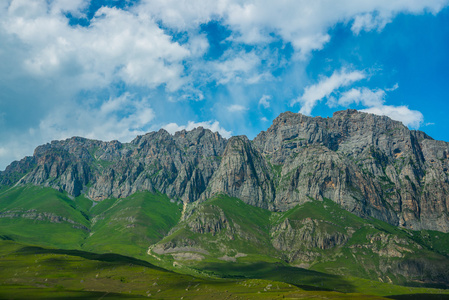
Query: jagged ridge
{"x":370,"y":165}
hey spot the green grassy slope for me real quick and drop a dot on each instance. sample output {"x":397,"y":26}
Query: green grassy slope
{"x":44,"y":216}
{"x":31,"y":272}
{"x":221,"y":228}
{"x":130,"y":225}
{"x":225,"y":238}
{"x":372,"y":249}
{"x":318,"y":235}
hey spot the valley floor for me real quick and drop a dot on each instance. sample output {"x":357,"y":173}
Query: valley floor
{"x":31,"y":272}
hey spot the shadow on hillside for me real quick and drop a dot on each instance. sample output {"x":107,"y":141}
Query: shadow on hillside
{"x":22,"y":292}
{"x":108,"y":257}
{"x":419,"y":297}
{"x":302,"y":278}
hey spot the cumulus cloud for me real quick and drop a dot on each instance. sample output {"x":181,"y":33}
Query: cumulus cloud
{"x":47,"y":64}
{"x":327,"y":85}
{"x":237,"y":67}
{"x":118,"y":45}
{"x":120,"y":118}
{"x":364,"y":96}
{"x":410,"y":118}
{"x":264,"y":101}
{"x":374,"y":101}
{"x":304,"y":24}
{"x":212,"y":125}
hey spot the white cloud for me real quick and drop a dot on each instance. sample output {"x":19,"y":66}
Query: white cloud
{"x":393,"y":88}
{"x":213,"y":126}
{"x":374,"y":101}
{"x":264,"y":119}
{"x":362,"y":96}
{"x":14,"y":150}
{"x":369,"y":22}
{"x":327,"y":85}
{"x":118,"y":45}
{"x":264,"y":101}
{"x":303,"y":23}
{"x":120,"y":118}
{"x":46,"y":64}
{"x":237,"y":67}
{"x":410,"y":118}
{"x":3,"y":152}
{"x":237,"y":108}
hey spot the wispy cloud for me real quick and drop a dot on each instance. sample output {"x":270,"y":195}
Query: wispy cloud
{"x":304,"y":24}
{"x":119,"y":118}
{"x":159,"y":48}
{"x":410,"y":118}
{"x":264,"y":101}
{"x":237,"y":108}
{"x":325,"y":87}
{"x":212,"y":125}
{"x":362,"y":96}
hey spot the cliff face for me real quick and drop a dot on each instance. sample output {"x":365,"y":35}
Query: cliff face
{"x":371,"y":165}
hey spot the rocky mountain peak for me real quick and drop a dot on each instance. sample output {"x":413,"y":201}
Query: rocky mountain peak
{"x":370,"y":165}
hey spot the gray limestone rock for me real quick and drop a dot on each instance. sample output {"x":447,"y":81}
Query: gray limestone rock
{"x":370,"y":165}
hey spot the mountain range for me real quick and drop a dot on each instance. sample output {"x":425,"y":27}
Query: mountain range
{"x":356,"y":194}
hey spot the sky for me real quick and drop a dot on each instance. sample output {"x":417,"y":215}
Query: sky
{"x":112,"y":70}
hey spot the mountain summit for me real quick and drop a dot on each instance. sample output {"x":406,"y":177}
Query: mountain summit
{"x":371,"y":165}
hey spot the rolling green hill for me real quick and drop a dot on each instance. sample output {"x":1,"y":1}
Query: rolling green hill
{"x":44,"y":216}
{"x":311,"y":249}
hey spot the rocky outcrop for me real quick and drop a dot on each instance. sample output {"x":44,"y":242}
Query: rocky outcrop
{"x":298,"y":239}
{"x":244,"y":174}
{"x":371,"y":165}
{"x":35,"y":215}
{"x":16,"y":170}
{"x":179,"y":166}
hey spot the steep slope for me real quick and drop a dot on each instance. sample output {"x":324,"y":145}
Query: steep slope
{"x":179,"y":166}
{"x":221,"y":228}
{"x":226,"y":233}
{"x":370,"y":165}
{"x":317,"y":235}
{"x":44,"y":216}
{"x":243,"y":173}
{"x":129,"y":225}
{"x":324,"y":237}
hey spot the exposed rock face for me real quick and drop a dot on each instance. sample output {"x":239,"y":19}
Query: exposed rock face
{"x":179,"y":166}
{"x":371,"y":165}
{"x":40,"y":216}
{"x":244,"y":174}
{"x":297,"y":238}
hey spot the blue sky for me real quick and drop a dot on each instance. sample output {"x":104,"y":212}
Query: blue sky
{"x":115,"y":69}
